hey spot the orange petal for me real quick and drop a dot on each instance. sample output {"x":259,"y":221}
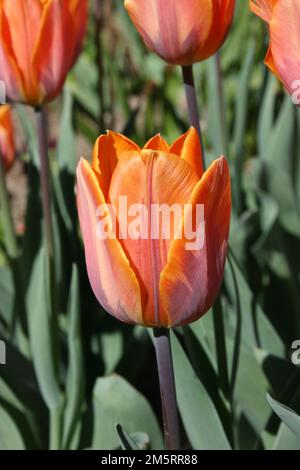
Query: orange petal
{"x":269,"y":61}
{"x":222,"y":16}
{"x":9,"y":70}
{"x":112,"y":279}
{"x":21,"y":19}
{"x":285,"y":47}
{"x":79,"y":11}
{"x":54,"y":52}
{"x":188,"y":147}
{"x":191,"y":279}
{"x":106,"y":153}
{"x":145,"y":179}
{"x":263,"y":8}
{"x":157,"y":143}
{"x":7,"y":141}
{"x":174,"y":30}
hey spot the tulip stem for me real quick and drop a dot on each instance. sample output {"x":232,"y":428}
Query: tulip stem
{"x":11,"y":242}
{"x":167,"y":388}
{"x":191,"y":98}
{"x":42,"y":128}
{"x":99,"y":61}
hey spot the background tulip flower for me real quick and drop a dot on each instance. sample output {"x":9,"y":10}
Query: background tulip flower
{"x":282,"y":58}
{"x":39,"y":43}
{"x":146,"y":281}
{"x":7,"y":142}
{"x":182,"y":32}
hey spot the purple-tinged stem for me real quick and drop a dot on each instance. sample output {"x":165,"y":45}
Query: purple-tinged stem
{"x":42,"y":129}
{"x":98,"y":10}
{"x":167,"y":388}
{"x":191,"y":98}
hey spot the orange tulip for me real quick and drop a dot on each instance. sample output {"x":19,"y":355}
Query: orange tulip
{"x":39,"y":43}
{"x":7,"y":142}
{"x":182,"y":32}
{"x":153,"y":281}
{"x":283,"y":18}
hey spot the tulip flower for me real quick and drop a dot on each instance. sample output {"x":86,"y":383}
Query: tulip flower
{"x":182,"y":32}
{"x":7,"y":142}
{"x":283,"y":19}
{"x":39,"y":43}
{"x":153,"y":281}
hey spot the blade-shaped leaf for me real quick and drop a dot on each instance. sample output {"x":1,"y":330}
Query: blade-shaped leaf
{"x":200,"y":418}
{"x":75,"y":377}
{"x":288,"y":416}
{"x":10,"y":438}
{"x":41,"y":331}
{"x":115,"y":400}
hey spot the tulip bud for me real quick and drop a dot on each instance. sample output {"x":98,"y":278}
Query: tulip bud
{"x":182,"y":32}
{"x":282,"y":17}
{"x":157,"y":271}
{"x":39,"y":43}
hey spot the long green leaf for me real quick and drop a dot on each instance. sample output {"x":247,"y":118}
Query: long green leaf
{"x":200,"y":418}
{"x":115,"y":400}
{"x":75,"y":377}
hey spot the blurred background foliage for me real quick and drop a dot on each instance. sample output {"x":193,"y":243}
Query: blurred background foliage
{"x":70,"y":380}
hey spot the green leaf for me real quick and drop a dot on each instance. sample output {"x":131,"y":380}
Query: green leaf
{"x":75,"y":376}
{"x":241,"y":115}
{"x":6,"y":295}
{"x":112,"y":350}
{"x":268,"y":215}
{"x":241,"y":106}
{"x":23,"y":384}
{"x":288,"y":416}
{"x":278,"y":154}
{"x":251,"y":387}
{"x":41,"y":325}
{"x":66,"y":149}
{"x":24,"y":417}
{"x":10,"y":438}
{"x":266,"y":115}
{"x":286,"y":439}
{"x":251,"y":384}
{"x":115,"y":400}
{"x":275,"y":151}
{"x":127,"y":443}
{"x":215,"y":128}
{"x":257,"y":331}
{"x":200,"y":418}
{"x":83,"y":84}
